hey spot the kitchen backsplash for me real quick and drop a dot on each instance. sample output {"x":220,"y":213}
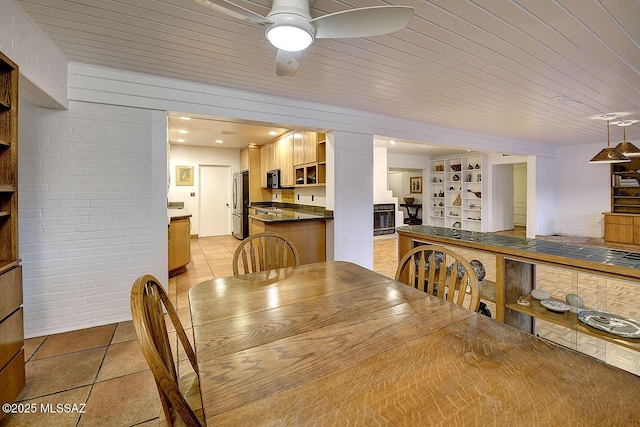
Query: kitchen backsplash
{"x":312,"y":196}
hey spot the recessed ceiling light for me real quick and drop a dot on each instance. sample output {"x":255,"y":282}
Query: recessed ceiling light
{"x":182,"y":131}
{"x":219,"y":141}
{"x":392,"y":142}
{"x":273,"y":133}
{"x":185,"y":118}
{"x":180,"y":140}
{"x":253,"y":144}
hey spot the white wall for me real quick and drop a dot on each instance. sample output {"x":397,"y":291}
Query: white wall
{"x":351,"y":197}
{"x":408,"y":161}
{"x":582,"y":192}
{"x":88,"y":223}
{"x":541,"y":189}
{"x":182,"y":155}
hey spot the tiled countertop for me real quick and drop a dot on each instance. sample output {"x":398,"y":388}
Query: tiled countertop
{"x":596,"y":257}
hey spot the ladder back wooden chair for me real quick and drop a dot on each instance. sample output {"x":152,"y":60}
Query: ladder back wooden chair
{"x":440,"y":272}
{"x":180,"y":395}
{"x":264,"y":251}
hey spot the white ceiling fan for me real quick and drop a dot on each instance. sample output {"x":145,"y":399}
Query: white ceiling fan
{"x":290,"y":28}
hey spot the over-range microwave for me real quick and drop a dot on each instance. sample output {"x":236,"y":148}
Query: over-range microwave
{"x":273,"y":178}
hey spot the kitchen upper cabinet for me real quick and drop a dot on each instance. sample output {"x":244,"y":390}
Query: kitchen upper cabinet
{"x":285,"y":158}
{"x":244,"y":159}
{"x":305,"y":146}
{"x":268,"y":161}
{"x":300,"y":156}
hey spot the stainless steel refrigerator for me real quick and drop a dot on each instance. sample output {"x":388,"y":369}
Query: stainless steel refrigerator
{"x":241,"y":205}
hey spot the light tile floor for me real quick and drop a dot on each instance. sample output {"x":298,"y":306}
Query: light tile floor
{"x":103,"y":367}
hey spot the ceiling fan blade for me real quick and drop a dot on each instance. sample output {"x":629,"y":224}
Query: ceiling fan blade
{"x":287,"y":63}
{"x":233,"y":10}
{"x":362,"y":22}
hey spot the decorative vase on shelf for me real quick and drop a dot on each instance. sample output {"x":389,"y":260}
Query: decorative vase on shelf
{"x":409,"y":199}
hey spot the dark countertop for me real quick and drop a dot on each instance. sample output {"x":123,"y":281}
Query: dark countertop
{"x":598,"y":258}
{"x":278,"y":212}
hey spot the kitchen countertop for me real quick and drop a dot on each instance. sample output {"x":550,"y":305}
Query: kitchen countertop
{"x":598,"y":259}
{"x":173,"y":214}
{"x":287,"y":215}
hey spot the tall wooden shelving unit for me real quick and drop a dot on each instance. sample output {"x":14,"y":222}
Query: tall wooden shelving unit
{"x":12,"y":371}
{"x":622,"y":224}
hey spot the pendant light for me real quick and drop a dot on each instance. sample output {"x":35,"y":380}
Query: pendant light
{"x":627,"y":148}
{"x":609,"y":155}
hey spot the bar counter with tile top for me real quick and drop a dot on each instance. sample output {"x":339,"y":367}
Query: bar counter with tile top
{"x":516,"y":262}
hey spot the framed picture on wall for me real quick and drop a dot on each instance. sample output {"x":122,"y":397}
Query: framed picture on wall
{"x":184,"y":175}
{"x":415,"y":184}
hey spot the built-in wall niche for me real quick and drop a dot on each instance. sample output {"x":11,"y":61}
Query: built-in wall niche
{"x":408,"y":185}
{"x":400,"y":184}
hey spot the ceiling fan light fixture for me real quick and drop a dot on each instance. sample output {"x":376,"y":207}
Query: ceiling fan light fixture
{"x":289,"y":37}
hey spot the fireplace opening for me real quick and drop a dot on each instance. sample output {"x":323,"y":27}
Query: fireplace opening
{"x":384,"y":219}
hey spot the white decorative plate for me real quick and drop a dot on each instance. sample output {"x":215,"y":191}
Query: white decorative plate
{"x":612,"y":323}
{"x":540,"y":294}
{"x":556,"y":306}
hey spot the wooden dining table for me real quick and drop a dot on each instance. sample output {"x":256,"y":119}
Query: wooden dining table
{"x":336,"y":344}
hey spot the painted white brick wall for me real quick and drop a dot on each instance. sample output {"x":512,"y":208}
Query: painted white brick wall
{"x":85,"y":213}
{"x":353,"y":197}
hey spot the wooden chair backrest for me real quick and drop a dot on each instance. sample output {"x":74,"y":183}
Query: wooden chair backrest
{"x":264,"y":251}
{"x":426,"y":266}
{"x":147,"y":299}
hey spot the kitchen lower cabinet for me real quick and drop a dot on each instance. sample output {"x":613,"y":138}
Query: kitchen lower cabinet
{"x":179,"y":243}
{"x":309,"y":237}
{"x":622,"y":228}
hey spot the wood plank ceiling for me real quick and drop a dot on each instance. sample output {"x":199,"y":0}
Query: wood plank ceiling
{"x":488,"y":66}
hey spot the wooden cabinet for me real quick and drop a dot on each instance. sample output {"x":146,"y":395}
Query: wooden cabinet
{"x":179,"y":243}
{"x":310,"y":159}
{"x":622,"y":228}
{"x":244,"y":159}
{"x":300,"y":156}
{"x":12,"y":372}
{"x":309,"y":237}
{"x":267,"y":161}
{"x":257,"y":179}
{"x":622,"y":225}
{"x":285,"y":159}
{"x":305,"y":147}
{"x":625,"y":187}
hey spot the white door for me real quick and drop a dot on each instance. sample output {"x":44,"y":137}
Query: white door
{"x":215,"y":201}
